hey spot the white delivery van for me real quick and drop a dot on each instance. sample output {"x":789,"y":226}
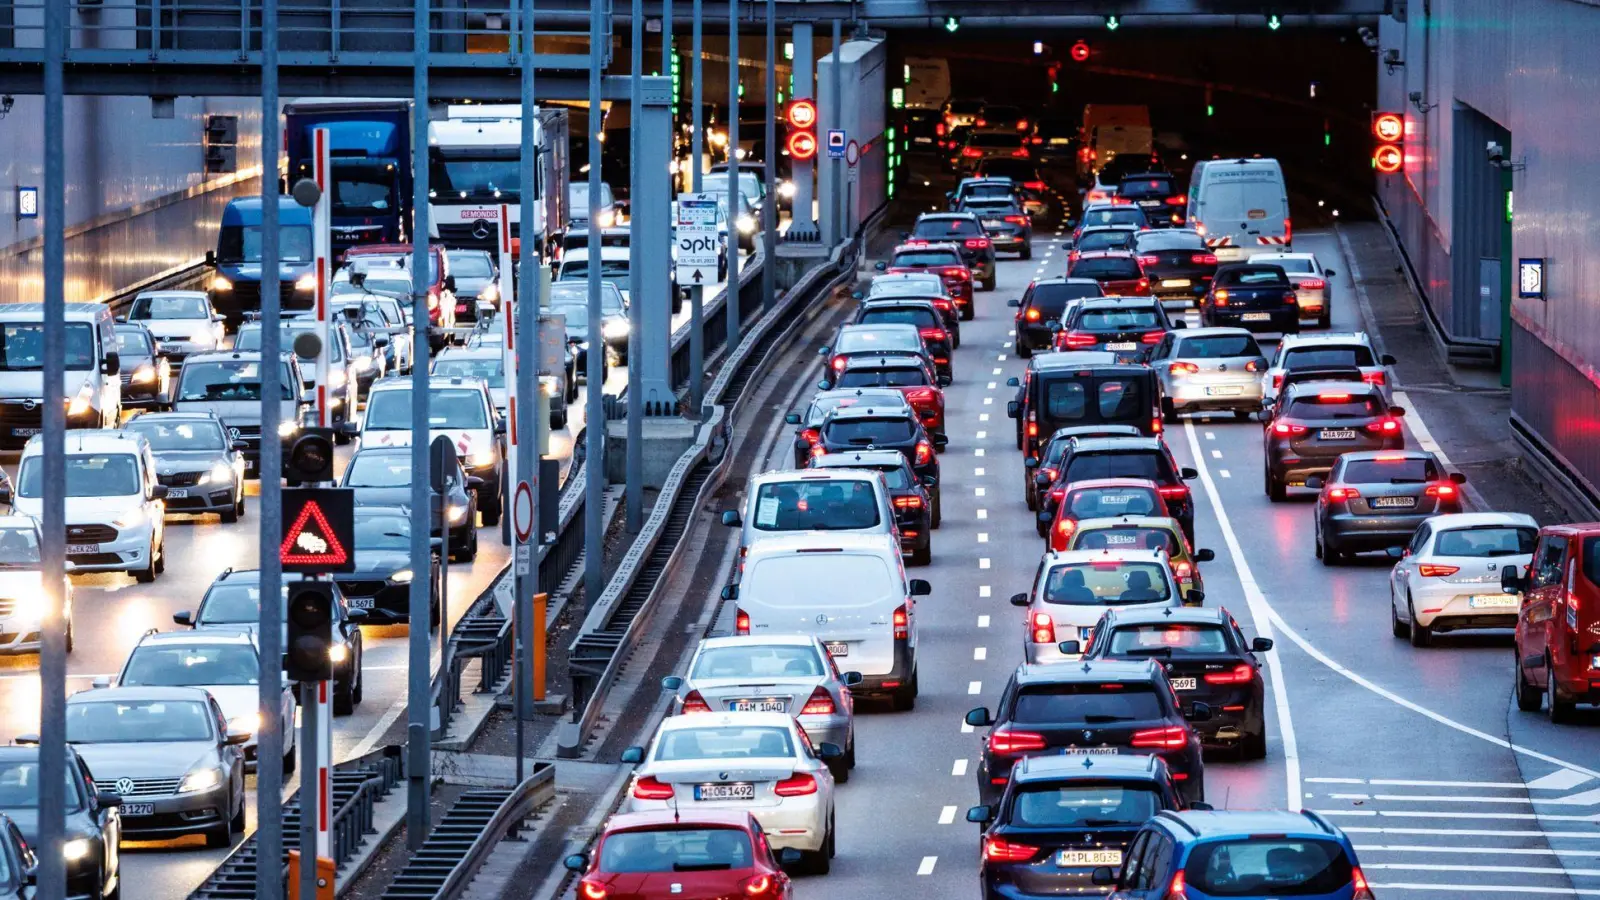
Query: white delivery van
{"x":848,"y":590}
{"x":1240,"y":207}
{"x":1112,"y":130}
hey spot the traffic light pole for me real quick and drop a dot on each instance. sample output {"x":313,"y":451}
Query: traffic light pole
{"x":313,"y":694}
{"x":697,"y":149}
{"x":526,"y":422}
{"x":594,"y":582}
{"x":732,"y":302}
{"x":634,"y":463}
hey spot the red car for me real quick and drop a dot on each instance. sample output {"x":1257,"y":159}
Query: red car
{"x":441,"y":289}
{"x":1558,"y":624}
{"x":701,"y":854}
{"x":943,"y":259}
{"x":1117,"y":271}
{"x":1099,"y":498}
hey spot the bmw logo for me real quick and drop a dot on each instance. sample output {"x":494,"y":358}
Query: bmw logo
{"x":1088,"y":736}
{"x":124,"y":786}
{"x":724,"y":776}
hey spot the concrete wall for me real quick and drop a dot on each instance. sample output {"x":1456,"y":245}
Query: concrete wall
{"x":865,"y":111}
{"x":139,"y":201}
{"x":1530,"y":68}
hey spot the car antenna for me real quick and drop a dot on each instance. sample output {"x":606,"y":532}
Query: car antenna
{"x":674,"y":803}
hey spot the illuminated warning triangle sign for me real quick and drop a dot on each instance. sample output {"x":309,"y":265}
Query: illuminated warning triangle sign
{"x":311,"y":541}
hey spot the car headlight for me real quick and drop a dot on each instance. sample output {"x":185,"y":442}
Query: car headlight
{"x":133,"y":518}
{"x":144,"y":374}
{"x":203,"y":336}
{"x":287,"y":428}
{"x":616,"y":328}
{"x":27,"y":607}
{"x":547,"y":385}
{"x":80,"y":403}
{"x":747,"y":224}
{"x":362,"y":363}
{"x":201,"y":780}
{"x":480,"y":458}
{"x":306,"y":282}
{"x":219,"y":283}
{"x":220,"y":473}
{"x":607,"y":218}
{"x":489,"y":294}
{"x":338,"y":653}
{"x":248,"y":724}
{"x":458,"y":514}
{"x":336,"y":379}
{"x":76,"y":849}
{"x":786,"y":190}
{"x":403,"y":576}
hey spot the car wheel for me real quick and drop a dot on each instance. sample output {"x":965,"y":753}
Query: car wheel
{"x":289,"y":762}
{"x":236,"y":825}
{"x":558,"y":421}
{"x":344,"y":701}
{"x":238,"y":505}
{"x":818,"y":862}
{"x":340,"y":437}
{"x":360,"y":681}
{"x":1330,"y":555}
{"x":988,"y":283}
{"x":1398,"y":628}
{"x":1277,"y":491}
{"x":1421,"y":635}
{"x":1528,"y":696}
{"x":116,"y":892}
{"x":903,"y":699}
{"x":1027,"y":251}
{"x":850,"y":753}
{"x":231,"y":514}
{"x":159,"y":562}
{"x":1561,"y":712}
{"x":1253,"y":745}
{"x":1243,"y":414}
{"x":219,"y":836}
{"x":937,"y":515}
{"x":1325,"y":320}
{"x":147,"y":575}
{"x":840,"y":770}
{"x":491,"y":511}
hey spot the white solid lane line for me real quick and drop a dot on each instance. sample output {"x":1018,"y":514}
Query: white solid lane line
{"x":1474,"y":832}
{"x":1487,"y":851}
{"x":1470,"y":889}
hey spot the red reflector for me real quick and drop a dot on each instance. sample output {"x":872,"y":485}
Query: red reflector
{"x":924,"y":453}
{"x":1034,"y":185}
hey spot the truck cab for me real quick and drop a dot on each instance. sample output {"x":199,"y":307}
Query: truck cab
{"x":235,"y":288}
{"x":369,"y":143}
{"x":1558,"y":621}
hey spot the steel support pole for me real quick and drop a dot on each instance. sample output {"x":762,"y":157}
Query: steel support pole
{"x":525,"y":421}
{"x":840,"y":229}
{"x":634,"y":495}
{"x":52,"y":873}
{"x":802,"y":221}
{"x":697,"y":149}
{"x":594,"y":467}
{"x":732,"y":315}
{"x":652,"y":229}
{"x":419,"y":681}
{"x":769,"y":209}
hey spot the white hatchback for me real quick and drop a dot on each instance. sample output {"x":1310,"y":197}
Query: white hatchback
{"x":1313,"y":285}
{"x":1448,"y":577}
{"x":1074,"y":588}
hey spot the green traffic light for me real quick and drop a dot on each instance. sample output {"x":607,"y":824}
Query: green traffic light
{"x":951,"y":23}
{"x":1113,"y":23}
{"x":1210,"y":110}
{"x":1274,"y":23}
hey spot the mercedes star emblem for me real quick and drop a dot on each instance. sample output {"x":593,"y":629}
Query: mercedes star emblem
{"x":124,"y":786}
{"x":480,"y":229}
{"x":822,"y":618}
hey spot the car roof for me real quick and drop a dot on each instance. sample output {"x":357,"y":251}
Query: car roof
{"x":1080,"y":359}
{"x":98,"y":440}
{"x":943,"y":216}
{"x":1205,"y":824}
{"x":1088,"y":445}
{"x":470,"y":353}
{"x":1469,"y":520}
{"x":1109,"y":226}
{"x":1164,"y":522}
{"x":403,"y":383}
{"x":1212,"y":331}
{"x":1326,"y":337}
{"x":870,"y":412}
{"x":784,"y":543}
{"x":1093,"y":483}
{"x":1106,"y":254}
{"x":1057,"y":768}
{"x":198,"y":637}
{"x":866,"y":359}
{"x":1072,"y":431}
{"x":920,"y":245}
{"x":779,"y":476}
{"x":1143,"y":614}
{"x":140,"y":693}
{"x":1066,"y":279}
{"x":725,"y":719}
{"x":919,"y":302}
{"x":1115,"y":300}
{"x":1104,"y":554}
{"x":689,"y":817}
{"x":1089,"y":670}
{"x":781,"y":639}
{"x":187,"y":415}
{"x":845,"y":459}
{"x":878,"y":394}
{"x":1369,"y":455}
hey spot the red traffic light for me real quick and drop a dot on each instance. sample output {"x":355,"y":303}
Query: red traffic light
{"x":803,"y":114}
{"x":1080,"y":52}
{"x":802,"y":145}
{"x":1388,"y":159}
{"x":1388,"y":127}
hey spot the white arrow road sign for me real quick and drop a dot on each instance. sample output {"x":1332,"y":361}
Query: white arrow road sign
{"x":695,"y":247}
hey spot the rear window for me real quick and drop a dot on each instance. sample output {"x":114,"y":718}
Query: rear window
{"x":1175,"y":639}
{"x":794,"y":581}
{"x":1100,"y":503}
{"x":724,"y":743}
{"x":1324,"y":357}
{"x":1113,"y":215}
{"x":1106,"y":240}
{"x":1050,"y":299}
{"x":857,"y":340}
{"x":1127,"y":537}
{"x":1106,"y":583}
{"x":1117,"y":268}
{"x":1398,"y":470}
{"x":904,"y":315}
{"x":1145,"y":187}
{"x":1015,"y":169}
{"x":1273,"y":867}
{"x":1222,"y":346}
{"x":1150,"y":464}
{"x":1334,"y":406}
{"x":926,"y":258}
{"x":996,"y":141}
{"x":998,"y":189}
{"x":1296,"y":266}
{"x":1117,"y":318}
{"x":676,"y":850}
{"x":941,"y":228}
{"x":1495,"y":540}
{"x":855,"y":378}
{"x":1115,"y":398}
{"x":896,"y":478}
{"x":1253,"y":276}
{"x":1079,"y":805}
{"x":1170,"y":240}
{"x":1092,"y":702}
{"x":869,"y":431}
{"x":992,"y":209}
{"x":816,"y":505}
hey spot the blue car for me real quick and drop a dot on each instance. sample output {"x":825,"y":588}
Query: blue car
{"x":1240,"y":855}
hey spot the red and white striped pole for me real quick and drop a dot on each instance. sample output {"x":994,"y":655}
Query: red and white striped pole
{"x":322,"y":249}
{"x":509,"y":364}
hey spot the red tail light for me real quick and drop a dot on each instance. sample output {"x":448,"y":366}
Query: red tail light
{"x":1079,"y":340}
{"x":1252,"y":366}
{"x":1277,"y":381}
{"x":924,"y":453}
{"x":590,"y":890}
{"x":819,"y":450}
{"x":902,"y":623}
{"x":1290,"y":298}
{"x":820,"y":704}
{"x":1384,"y":425}
{"x":934,"y":334}
{"x":758,"y":885}
{"x":999,"y":850}
{"x":1287,"y":428}
{"x":1048,"y":473}
{"x":1182,"y":368}
{"x":811,"y":435}
{"x":838,"y":363}
{"x":1169,"y":738}
{"x":1017,"y":220}
{"x":939,"y":129}
{"x":741,"y":622}
{"x":1183,"y":571}
{"x":910,"y":501}
{"x":1220,"y":298}
{"x":1204,"y":259}
{"x":1022,"y":124}
{"x":648,"y":788}
{"x":1432,"y":571}
{"x":694,"y":703}
{"x":1173,"y":491}
{"x":1033,"y":429}
{"x":957,"y":274}
{"x":1155,"y":424}
{"x":1177,"y":201}
{"x":1064,"y":529}
{"x":1043,"y":628}
{"x":1445,"y":491}
{"x":1175,"y":889}
{"x":796,"y":785}
{"x":1288,"y":231}
{"x":1374,"y":378}
{"x":977,"y":243}
{"x":1033,"y":314}
{"x":1005,"y":742}
{"x":1343,"y":493}
{"x":920,"y":395}
{"x":971,"y":152}
{"x":1151,"y":337}
{"x":1240,"y":674}
{"x":1359,"y":882}
{"x":1020,"y":153}
{"x":1034,"y":185}
{"x":1149,"y":260}
{"x":1144,"y":284}
{"x":980,"y":122}
{"x":1313,"y":284}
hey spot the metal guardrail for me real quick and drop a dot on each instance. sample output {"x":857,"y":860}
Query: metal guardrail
{"x":358,"y":785}
{"x":458,"y":846}
{"x":180,"y":279}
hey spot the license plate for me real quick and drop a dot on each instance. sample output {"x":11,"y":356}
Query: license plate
{"x":1121,"y":539}
{"x":1122,"y":345}
{"x":993,"y":223}
{"x":25,"y":432}
{"x":1337,"y":434}
{"x":1492,"y":601}
{"x":1088,"y":751}
{"x":1067,"y":858}
{"x":1175,"y":282}
{"x":1150,"y":204}
{"x":740,"y":791}
{"x":922,"y":140}
{"x":82,"y":548}
{"x":837,"y":648}
{"x":1115,"y":499}
{"x":177,"y":493}
{"x":1394,"y":502}
{"x":359,"y":602}
{"x":1225,"y":390}
{"x":1256,"y":317}
{"x":1183,"y":684}
{"x":137,"y":809}
{"x":760,"y":704}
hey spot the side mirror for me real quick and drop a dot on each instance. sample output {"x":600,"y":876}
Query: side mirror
{"x":980,"y":717}
{"x":633,"y":756}
{"x":183,"y":617}
{"x":1041,"y":480}
{"x":500,"y":426}
{"x":111,"y":365}
{"x":731,"y":518}
{"x":1194,"y":598}
{"x":474,"y":482}
{"x":1511,"y":580}
{"x":920,"y":587}
{"x":1395,"y":552}
{"x":1458,"y":477}
{"x":1398,"y":412}
{"x":880,"y":265}
{"x":1315,"y":482}
{"x":824,"y":385}
{"x":121,"y":317}
{"x":1071,"y":648}
{"x":851,"y":679}
{"x":1179,"y":323}
{"x":108,"y":800}
{"x":356,"y":615}
{"x":930,"y":481}
{"x":577,"y":862}
{"x":100,"y":681}
{"x":380,"y":340}
{"x":1329,"y":273}
{"x":1260,"y":645}
{"x":241,"y":446}
{"x":857,"y":295}
{"x":792,"y":419}
{"x":158,"y":492}
{"x":940,"y":442}
{"x":671,"y":683}
{"x":829,"y":751}
{"x":1012,"y":382}
{"x":211,"y":257}
{"x":1204,"y":555}
{"x":1031,"y":462}
{"x":449,"y":282}
{"x":1188,"y":474}
{"x":436,"y":543}
{"x":1103,"y":875}
{"x":1386,"y":359}
{"x":1199,"y":712}
{"x":1014,"y":303}
{"x":730,"y":592}
{"x":235,"y":739}
{"x":979,"y":815}
{"x":5,"y":494}
{"x":945,"y":381}
{"x":1019,"y":599}
{"x":1201,"y":806}
{"x":790,"y":856}
{"x":1011,"y":409}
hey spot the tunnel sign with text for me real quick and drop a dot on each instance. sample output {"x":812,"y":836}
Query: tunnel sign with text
{"x":695,"y":244}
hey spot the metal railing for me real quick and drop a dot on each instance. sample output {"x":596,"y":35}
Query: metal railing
{"x":457,"y":848}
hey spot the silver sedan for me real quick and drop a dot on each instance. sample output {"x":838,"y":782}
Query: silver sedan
{"x":1209,"y":369}
{"x":788,"y":673}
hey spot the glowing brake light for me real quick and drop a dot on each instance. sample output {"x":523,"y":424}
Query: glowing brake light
{"x":1240,"y":674}
{"x":1005,"y":742}
{"x":1433,"y":571}
{"x":1343,"y":493}
{"x":1221,"y":297}
{"x":1001,"y":850}
{"x":1204,"y":259}
{"x":1173,"y":490}
{"x":977,"y":243}
{"x":758,"y":885}
{"x":1033,"y":314}
{"x":1020,"y":153}
{"x":934,"y":334}
{"x":819,"y":704}
{"x":838,"y":363}
{"x":1333,"y":398}
{"x":971,"y":152}
{"x":797,"y":785}
{"x":1034,"y":185}
{"x":811,"y":436}
{"x":1017,"y":220}
{"x":920,"y":395}
{"x":924,"y":453}
{"x":1252,"y":366}
{"x":741,"y":622}
{"x":1182,"y":368}
{"x":1290,"y":298}
{"x":1150,"y":260}
{"x":1144,"y":284}
{"x":1313,"y":284}
{"x":1151,"y":337}
{"x":694,"y":703}
{"x":1169,"y":737}
{"x":648,"y":788}
{"x":1064,"y":529}
{"x":1043,"y":628}
{"x":591,"y":891}
{"x":902,"y":623}
{"x":1374,"y":378}
{"x":1183,"y":571}
{"x":1175,"y":889}
{"x":1287,"y":428}
{"x":910,"y":501}
{"x":1359,"y":882}
{"x":1384,"y":426}
{"x":1176,"y":201}
{"x":1079,"y":340}
{"x":1447,"y":491}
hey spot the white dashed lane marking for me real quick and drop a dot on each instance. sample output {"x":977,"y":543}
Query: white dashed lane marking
{"x":983,"y":562}
{"x":983,"y":591}
{"x":974,"y":687}
{"x":959,"y":769}
{"x":926,"y":868}
{"x":983,"y":621}
{"x":947,"y":815}
{"x":980,"y":653}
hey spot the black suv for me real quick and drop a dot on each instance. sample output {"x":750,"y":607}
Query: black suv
{"x":1314,"y":422}
{"x":1007,"y":223}
{"x":964,"y":230}
{"x":1178,"y":263}
{"x":852,"y":428}
{"x":1126,"y":457}
{"x":1061,"y":817}
{"x":1041,"y":472}
{"x":1061,"y":390}
{"x":1130,"y":327}
{"x":1102,"y":707}
{"x":1158,"y":195}
{"x":1207,"y":658}
{"x":912,"y":311}
{"x":912,"y":496}
{"x":1041,"y":307}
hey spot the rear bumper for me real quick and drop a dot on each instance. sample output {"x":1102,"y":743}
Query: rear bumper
{"x":1447,"y":607}
{"x":882,"y":684}
{"x":1278,"y":319}
{"x":1357,"y":532}
{"x":1194,"y":395}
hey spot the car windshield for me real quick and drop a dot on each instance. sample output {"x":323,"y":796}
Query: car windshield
{"x":791,"y":581}
{"x":1002,"y":190}
{"x":231,"y":380}
{"x":1334,"y":406}
{"x":865,"y":432}
{"x":1318,"y":357}
{"x":757,"y":661}
{"x":500,"y":179}
{"x":19,"y":547}
{"x":166,"y":306}
{"x":938,"y":229}
{"x":700,"y":849}
{"x":1051,"y":298}
{"x":1127,"y":537}
{"x":1118,"y":398}
{"x":22,"y":346}
{"x":470,"y":265}
{"x":867,"y":340}
{"x":816,"y":505}
{"x":1078,"y":805}
{"x":134,"y":342}
{"x":719,"y":743}
{"x":1253,"y":276}
{"x":490,"y":369}
{"x":249,"y":338}
{"x":1108,"y":582}
{"x":1268,"y":866}
{"x":1296,"y":265}
{"x":1220,"y":346}
{"x":1169,"y":639}
{"x":1113,"y":215}
{"x":565,"y":295}
{"x":1106,"y":268}
{"x":922,"y":317}
{"x":1094,"y":503}
{"x":821,"y":406}
{"x":378,"y":470}
{"x":19,"y":787}
{"x":613,"y":271}
{"x":242,"y":243}
{"x":1170,"y":240}
{"x":1117,"y":318}
{"x":88,"y":475}
{"x":383,"y":533}
{"x":191,"y":665}
{"x":179,"y":434}
{"x":235,"y":603}
{"x":138,"y":721}
{"x":1088,"y":702}
{"x":1390,"y":470}
{"x":906,"y":259}
{"x":1105,"y":239}
{"x":448,"y":408}
{"x":1490,"y":541}
{"x":1149,"y":464}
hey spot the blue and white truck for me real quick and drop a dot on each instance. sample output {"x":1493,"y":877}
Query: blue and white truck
{"x":370,"y":143}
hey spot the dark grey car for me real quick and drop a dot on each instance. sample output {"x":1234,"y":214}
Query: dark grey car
{"x":202,"y":468}
{"x":381,"y":476}
{"x":1375,"y":499}
{"x":93,"y":825}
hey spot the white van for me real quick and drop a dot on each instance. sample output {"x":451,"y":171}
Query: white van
{"x":854,"y":501}
{"x":850,"y":591}
{"x":93,"y":388}
{"x":1240,"y":207}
